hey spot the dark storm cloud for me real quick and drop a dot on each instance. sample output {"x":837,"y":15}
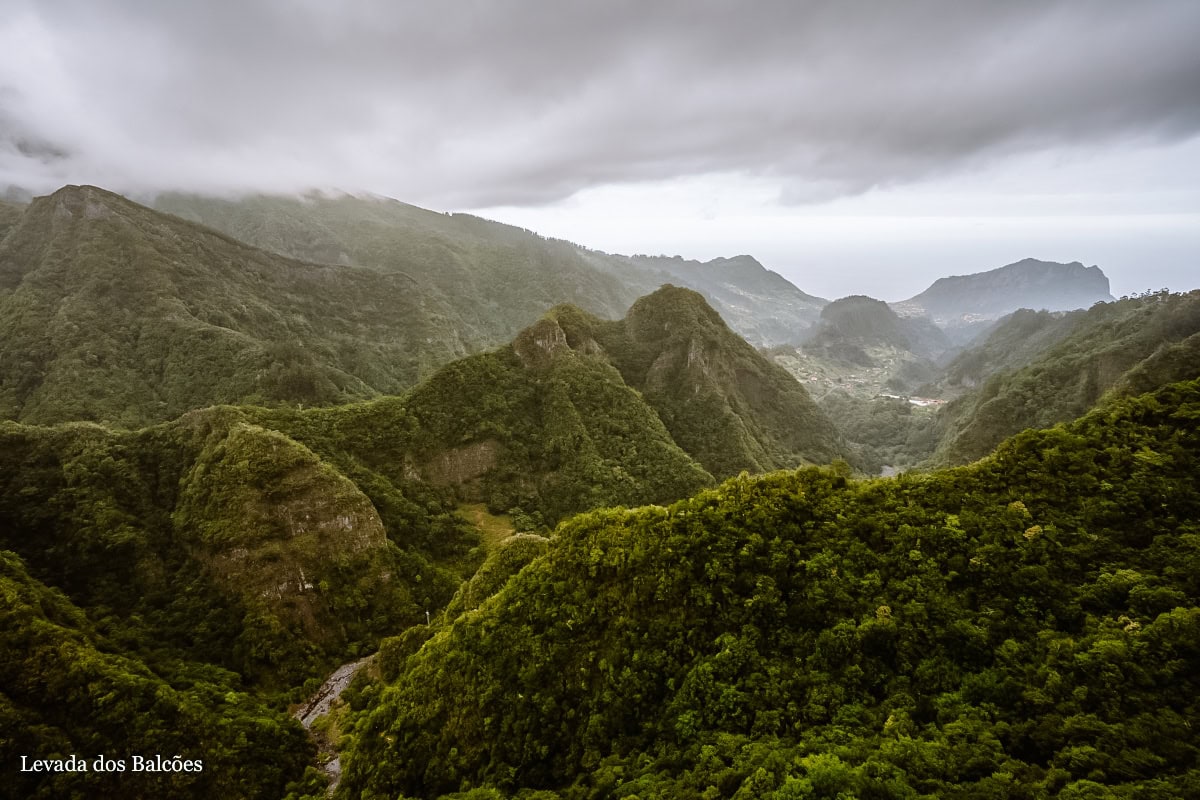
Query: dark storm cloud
{"x":480,"y":103}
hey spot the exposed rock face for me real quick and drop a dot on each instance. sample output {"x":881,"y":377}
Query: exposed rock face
{"x":270,"y":519}
{"x":462,"y":464}
{"x":538,"y":343}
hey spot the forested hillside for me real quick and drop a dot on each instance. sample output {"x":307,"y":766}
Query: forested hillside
{"x":725,"y":403}
{"x":497,"y":277}
{"x":115,"y":313}
{"x":493,"y":278}
{"x":1026,"y":626}
{"x":225,"y":470}
{"x":1131,"y":345}
{"x":68,"y":688}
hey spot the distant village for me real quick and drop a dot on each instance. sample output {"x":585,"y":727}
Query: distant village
{"x":923,"y":402}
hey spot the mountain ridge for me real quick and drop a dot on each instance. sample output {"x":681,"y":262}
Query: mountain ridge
{"x":961,"y":303}
{"x":477,"y":261}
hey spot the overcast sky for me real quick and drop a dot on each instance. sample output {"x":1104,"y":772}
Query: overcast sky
{"x":852,"y":146}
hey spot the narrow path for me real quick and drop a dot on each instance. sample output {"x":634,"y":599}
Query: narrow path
{"x":318,"y":706}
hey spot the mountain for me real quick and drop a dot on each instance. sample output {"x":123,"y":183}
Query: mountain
{"x":272,"y":540}
{"x":862,"y":347}
{"x":10,"y":214}
{"x":117,"y":313}
{"x":491,"y":278}
{"x":857,"y":361}
{"x":724,"y":403}
{"x":230,"y":554}
{"x":1131,"y":345}
{"x":1010,"y":344}
{"x":963,"y":303}
{"x":544,"y":428}
{"x":1026,"y":626}
{"x":110,"y":311}
{"x":497,"y":277}
{"x":218,"y":539}
{"x":762,"y":306}
{"x":852,"y":324}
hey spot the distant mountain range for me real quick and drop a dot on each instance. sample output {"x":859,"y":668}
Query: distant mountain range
{"x":496,"y":277}
{"x":963,"y":304}
{"x":114,"y":312}
{"x":325,"y":428}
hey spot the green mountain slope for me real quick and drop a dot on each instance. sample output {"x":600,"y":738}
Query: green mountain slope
{"x":862,"y":347}
{"x":761,"y":305}
{"x":282,"y":538}
{"x":1148,"y":338}
{"x":493,"y":278}
{"x":66,"y":691}
{"x":1014,"y":341}
{"x":1026,"y":626}
{"x":112,"y":312}
{"x":723,"y":402}
{"x":218,"y":540}
{"x":497,"y":277}
{"x":10,"y":214}
{"x":547,"y":429}
{"x":858,"y":351}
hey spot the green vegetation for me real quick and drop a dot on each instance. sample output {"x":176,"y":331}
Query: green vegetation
{"x":1015,"y":341}
{"x":10,"y":214}
{"x":115,"y":313}
{"x":1027,"y":626}
{"x":493,"y":528}
{"x":490,"y":279}
{"x":852,"y":323}
{"x":67,"y":690}
{"x":215,"y":540}
{"x":882,"y":431}
{"x":1148,"y":338}
{"x":724,"y":402}
{"x":496,"y":277}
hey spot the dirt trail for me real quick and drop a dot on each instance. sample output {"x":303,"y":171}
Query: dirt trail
{"x":318,"y":706}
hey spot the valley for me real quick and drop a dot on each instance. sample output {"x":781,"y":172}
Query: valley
{"x":558,"y":523}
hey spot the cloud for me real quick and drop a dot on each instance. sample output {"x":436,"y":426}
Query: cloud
{"x":480,"y":103}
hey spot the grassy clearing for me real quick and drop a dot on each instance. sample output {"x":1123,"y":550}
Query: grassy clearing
{"x":493,"y":528}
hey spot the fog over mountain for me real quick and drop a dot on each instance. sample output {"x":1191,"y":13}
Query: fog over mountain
{"x":845,"y":142}
{"x":597,"y":400}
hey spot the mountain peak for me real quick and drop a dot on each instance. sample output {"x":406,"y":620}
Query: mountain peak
{"x":672,"y":311}
{"x":1028,"y":283}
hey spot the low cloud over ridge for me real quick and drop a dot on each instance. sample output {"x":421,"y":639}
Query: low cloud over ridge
{"x":479,"y":104}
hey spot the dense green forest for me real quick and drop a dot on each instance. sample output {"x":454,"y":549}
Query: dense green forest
{"x":724,"y":402}
{"x":1131,"y":345}
{"x":242,"y":551}
{"x":564,"y":600}
{"x":114,"y":313}
{"x":71,"y":686}
{"x":1027,"y":626}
